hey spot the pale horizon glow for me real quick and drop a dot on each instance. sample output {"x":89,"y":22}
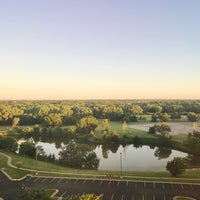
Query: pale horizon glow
{"x":99,"y":49}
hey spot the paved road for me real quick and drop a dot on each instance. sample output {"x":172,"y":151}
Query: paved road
{"x":111,"y":189}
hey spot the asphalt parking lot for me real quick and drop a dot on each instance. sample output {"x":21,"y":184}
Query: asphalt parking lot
{"x":111,"y":189}
{"x":115,"y":189}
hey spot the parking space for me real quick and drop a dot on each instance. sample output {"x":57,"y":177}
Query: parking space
{"x":113,"y":189}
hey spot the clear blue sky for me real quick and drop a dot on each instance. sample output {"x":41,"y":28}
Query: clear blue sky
{"x":86,"y":49}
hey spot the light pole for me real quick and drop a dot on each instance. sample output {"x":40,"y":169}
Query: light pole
{"x":121,"y":163}
{"x":36,"y":154}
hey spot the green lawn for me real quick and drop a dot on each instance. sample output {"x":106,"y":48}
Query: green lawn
{"x":66,"y":172}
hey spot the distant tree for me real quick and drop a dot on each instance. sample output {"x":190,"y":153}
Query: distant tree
{"x":27,"y":149}
{"x":87,"y":124}
{"x":15,"y":121}
{"x":152,"y":130}
{"x":176,"y":166}
{"x":53,"y":119}
{"x":193,"y":142}
{"x":192,"y":117}
{"x":164,"y":117}
{"x":163,"y":128}
{"x":8,"y":143}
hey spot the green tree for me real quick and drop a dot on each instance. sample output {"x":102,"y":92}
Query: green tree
{"x":87,"y":124}
{"x":85,"y":197}
{"x":34,"y":194}
{"x":176,"y":166}
{"x":8,"y":143}
{"x":192,"y":117}
{"x":53,"y":120}
{"x":27,"y":149}
{"x":163,"y":128}
{"x":78,"y":156}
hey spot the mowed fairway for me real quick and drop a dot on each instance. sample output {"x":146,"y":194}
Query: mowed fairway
{"x":176,"y":127}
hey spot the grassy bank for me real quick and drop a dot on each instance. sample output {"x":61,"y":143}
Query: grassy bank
{"x":29,"y":163}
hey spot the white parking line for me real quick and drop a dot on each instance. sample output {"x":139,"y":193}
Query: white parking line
{"x":43,"y":180}
{"x":60,"y":180}
{"x":132,"y":196}
{"x":93,"y":181}
{"x":191,"y":186}
{"x":163,"y":186}
{"x":163,"y":197}
{"x":118,"y":183}
{"x":67,"y":181}
{"x":109,"y":183}
{"x":144,"y":184}
{"x":29,"y":178}
{"x":126,"y":183}
{"x":75,"y":181}
{"x":142,"y":197}
{"x":100,"y":182}
{"x":182,"y":187}
{"x":153,"y":184}
{"x":122,"y":197}
{"x":63,"y":193}
{"x":112,"y":197}
{"x":154,"y":197}
{"x":51,"y":180}
{"x":36,"y":179}
{"x":83,"y":182}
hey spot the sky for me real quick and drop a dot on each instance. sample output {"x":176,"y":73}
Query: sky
{"x":99,"y":49}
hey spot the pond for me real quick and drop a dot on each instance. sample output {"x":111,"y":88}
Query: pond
{"x":143,"y":158}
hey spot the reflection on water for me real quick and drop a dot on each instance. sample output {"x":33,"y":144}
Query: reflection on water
{"x":133,"y":159}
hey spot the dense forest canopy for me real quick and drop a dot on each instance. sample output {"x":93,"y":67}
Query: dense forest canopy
{"x":69,"y":112}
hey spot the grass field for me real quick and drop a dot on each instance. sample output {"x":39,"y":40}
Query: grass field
{"x":66,"y":172}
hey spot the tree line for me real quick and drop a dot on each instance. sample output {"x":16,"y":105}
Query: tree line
{"x":57,"y":113}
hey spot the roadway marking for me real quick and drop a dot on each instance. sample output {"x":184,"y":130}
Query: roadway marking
{"x":126,"y":183}
{"x":101,"y":183}
{"x":43,"y":180}
{"x":163,"y":186}
{"x":153,"y":184}
{"x":76,"y":180}
{"x":60,"y":180}
{"x":154,"y":197}
{"x":142,"y":197}
{"x":118,"y":183}
{"x":51,"y":180}
{"x":133,"y":196}
{"x":122,"y":197}
{"x":163,"y":197}
{"x":182,"y":187}
{"x":63,"y":193}
{"x":93,"y":181}
{"x":29,"y":178}
{"x":109,"y":182}
{"x":191,"y":186}
{"x":144,"y":184}
{"x":112,"y":197}
{"x":36,"y":179}
{"x":67,"y":181}
{"x":83,"y":182}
